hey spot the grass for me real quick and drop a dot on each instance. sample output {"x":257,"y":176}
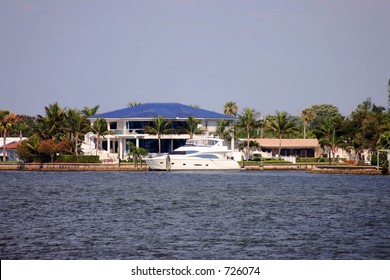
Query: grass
{"x":9,"y":162}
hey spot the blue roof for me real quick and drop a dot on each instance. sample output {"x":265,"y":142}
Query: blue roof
{"x":167,"y":110}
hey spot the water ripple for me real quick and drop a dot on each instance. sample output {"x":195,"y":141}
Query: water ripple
{"x":193,"y":215}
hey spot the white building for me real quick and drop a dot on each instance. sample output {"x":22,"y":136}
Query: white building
{"x":128,"y":126}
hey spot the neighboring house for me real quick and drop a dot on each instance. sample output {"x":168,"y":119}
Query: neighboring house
{"x":290,"y":147}
{"x":11,"y":151}
{"x":128,"y":125}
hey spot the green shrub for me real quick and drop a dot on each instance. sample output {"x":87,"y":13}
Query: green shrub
{"x":307,"y":159}
{"x":78,"y":159}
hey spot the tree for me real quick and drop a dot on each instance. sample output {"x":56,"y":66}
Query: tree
{"x":20,"y":126}
{"x":47,"y":147}
{"x":133,"y":104}
{"x":282,"y":125}
{"x":388,"y":97}
{"x":327,"y":136}
{"x":307,"y":117}
{"x":160,"y":127}
{"x":7,"y":121}
{"x":100,"y":128}
{"x":28,"y":149}
{"x":383,"y":144}
{"x":323,"y":111}
{"x":366,"y":123}
{"x":223,"y":129}
{"x":252,"y":144}
{"x":77,"y":126}
{"x":51,"y":125}
{"x":230,"y":109}
{"x":90,"y":111}
{"x":191,"y":127}
{"x":247,"y":120}
{"x":136,"y":153}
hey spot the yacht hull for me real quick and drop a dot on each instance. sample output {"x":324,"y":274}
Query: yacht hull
{"x":161,"y":163}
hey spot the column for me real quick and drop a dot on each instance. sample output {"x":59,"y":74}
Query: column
{"x":120,"y":143}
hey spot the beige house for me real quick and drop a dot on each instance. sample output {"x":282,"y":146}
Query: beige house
{"x":290,"y":147}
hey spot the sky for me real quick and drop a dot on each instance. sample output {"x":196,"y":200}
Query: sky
{"x":265,"y":55}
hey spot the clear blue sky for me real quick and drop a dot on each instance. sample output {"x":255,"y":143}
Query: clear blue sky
{"x":266,"y":55}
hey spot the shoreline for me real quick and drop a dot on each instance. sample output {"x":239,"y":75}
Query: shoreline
{"x":324,"y":169}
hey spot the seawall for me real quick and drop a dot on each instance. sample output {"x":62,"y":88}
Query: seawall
{"x":71,"y":167}
{"x":326,"y":169}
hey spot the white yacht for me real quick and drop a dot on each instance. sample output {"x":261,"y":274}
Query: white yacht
{"x":196,"y":154}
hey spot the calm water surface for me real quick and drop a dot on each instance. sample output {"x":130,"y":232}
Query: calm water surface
{"x":193,"y":215}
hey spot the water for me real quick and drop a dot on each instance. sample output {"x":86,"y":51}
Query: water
{"x":193,"y":215}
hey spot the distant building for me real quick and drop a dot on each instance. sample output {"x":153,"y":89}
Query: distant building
{"x":11,"y":152}
{"x":128,"y":125}
{"x":290,"y":147}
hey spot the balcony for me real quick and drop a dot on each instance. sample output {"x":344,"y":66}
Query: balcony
{"x":128,"y":132}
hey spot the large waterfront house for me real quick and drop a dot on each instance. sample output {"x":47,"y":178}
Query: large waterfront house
{"x":128,"y":125}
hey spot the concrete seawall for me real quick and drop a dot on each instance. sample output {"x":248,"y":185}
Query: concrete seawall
{"x":71,"y":167}
{"x":298,"y":167}
{"x":326,"y":169}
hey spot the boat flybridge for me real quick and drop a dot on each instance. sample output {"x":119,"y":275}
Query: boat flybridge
{"x":196,"y":154}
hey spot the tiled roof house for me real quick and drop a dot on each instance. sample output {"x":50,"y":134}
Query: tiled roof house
{"x":290,"y":147}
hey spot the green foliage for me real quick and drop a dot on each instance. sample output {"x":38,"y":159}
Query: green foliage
{"x":306,"y":160}
{"x":191,"y":127}
{"x":77,"y":159}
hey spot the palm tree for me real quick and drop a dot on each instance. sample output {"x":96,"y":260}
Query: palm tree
{"x":7,"y":120}
{"x":20,"y":126}
{"x":90,"y":111}
{"x":281,"y":126}
{"x":223,"y":130}
{"x":100,"y":128}
{"x":77,"y":126}
{"x":230,"y":109}
{"x":133,"y":104}
{"x":191,"y":127}
{"x":307,"y":116}
{"x":160,"y":126}
{"x":136,"y":153}
{"x":51,"y":126}
{"x":326,"y":133}
{"x":248,"y":121}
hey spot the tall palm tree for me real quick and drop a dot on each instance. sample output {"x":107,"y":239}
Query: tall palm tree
{"x":281,"y":126}
{"x":307,"y":116}
{"x":230,"y":109}
{"x":51,"y":124}
{"x":20,"y":126}
{"x":133,"y":104}
{"x":326,"y":132}
{"x":90,"y":111}
{"x":191,"y":127}
{"x":77,"y":126}
{"x":248,"y":121}
{"x":7,"y":120}
{"x":100,"y":128}
{"x":160,"y":126}
{"x":223,"y":129}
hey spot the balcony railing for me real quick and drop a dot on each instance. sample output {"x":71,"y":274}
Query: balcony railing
{"x":129,"y":131}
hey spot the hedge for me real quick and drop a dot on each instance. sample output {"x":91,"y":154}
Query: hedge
{"x":78,"y":159}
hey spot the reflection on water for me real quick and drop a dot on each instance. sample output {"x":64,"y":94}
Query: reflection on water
{"x":193,"y":215}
